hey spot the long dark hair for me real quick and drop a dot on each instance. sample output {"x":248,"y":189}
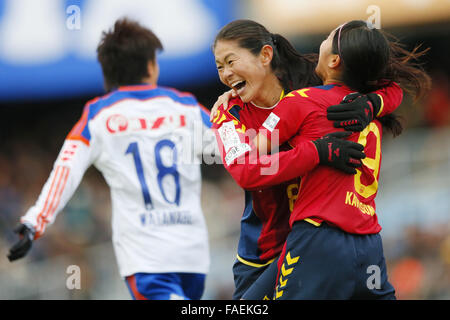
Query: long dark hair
{"x":293,"y":70}
{"x":371,"y":58}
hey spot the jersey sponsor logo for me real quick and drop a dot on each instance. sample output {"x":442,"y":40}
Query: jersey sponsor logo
{"x":118,"y":123}
{"x":271,"y":122}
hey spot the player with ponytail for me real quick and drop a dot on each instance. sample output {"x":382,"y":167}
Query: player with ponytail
{"x":334,"y":244}
{"x":261,"y":68}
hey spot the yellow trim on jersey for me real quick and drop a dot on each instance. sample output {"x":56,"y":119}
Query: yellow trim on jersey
{"x":282,"y":94}
{"x":382,"y":105}
{"x":222,"y":118}
{"x":290,"y":94}
{"x":302,"y":93}
{"x":317,"y":224}
{"x":252,"y":264}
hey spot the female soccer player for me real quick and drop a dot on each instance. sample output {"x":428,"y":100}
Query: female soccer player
{"x":334,"y":250}
{"x":260,"y":67}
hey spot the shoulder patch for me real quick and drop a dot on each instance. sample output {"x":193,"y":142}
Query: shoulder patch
{"x":271,"y":121}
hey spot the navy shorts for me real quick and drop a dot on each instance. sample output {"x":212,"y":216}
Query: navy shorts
{"x":263,"y":287}
{"x":327,"y":263}
{"x":166,"y":286}
{"x":245,"y":277}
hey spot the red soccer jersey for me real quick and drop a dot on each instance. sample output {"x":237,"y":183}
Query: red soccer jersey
{"x":265,"y":221}
{"x":326,"y":194}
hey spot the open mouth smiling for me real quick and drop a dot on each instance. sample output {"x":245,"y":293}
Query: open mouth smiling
{"x":238,"y":85}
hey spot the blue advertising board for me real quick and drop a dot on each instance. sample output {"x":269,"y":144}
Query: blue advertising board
{"x":48,"y":47}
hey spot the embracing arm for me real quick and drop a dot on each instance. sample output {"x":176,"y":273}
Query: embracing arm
{"x":249,"y":168}
{"x":357,"y":110}
{"x":252,"y":170}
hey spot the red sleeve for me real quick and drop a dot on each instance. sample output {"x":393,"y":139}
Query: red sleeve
{"x":391,"y":97}
{"x":287,"y":118}
{"x":252,"y":171}
{"x":255,"y":172}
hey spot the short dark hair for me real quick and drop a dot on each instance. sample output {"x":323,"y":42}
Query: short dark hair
{"x":124,"y":53}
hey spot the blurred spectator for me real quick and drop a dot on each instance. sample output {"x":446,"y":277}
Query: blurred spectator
{"x":437,"y":106}
{"x":407,"y":278}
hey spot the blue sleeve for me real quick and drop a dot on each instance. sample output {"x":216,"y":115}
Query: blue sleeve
{"x":205,"y":117}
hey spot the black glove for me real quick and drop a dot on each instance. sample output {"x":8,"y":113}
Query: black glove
{"x":338,"y":153}
{"x":21,"y":248}
{"x":355,"y":112}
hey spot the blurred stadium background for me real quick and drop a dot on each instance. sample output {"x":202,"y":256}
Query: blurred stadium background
{"x":48,"y":71}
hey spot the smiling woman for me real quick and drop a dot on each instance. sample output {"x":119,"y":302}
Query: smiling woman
{"x":248,"y":75}
{"x":259,"y":67}
{"x":258,"y":64}
{"x":335,"y":211}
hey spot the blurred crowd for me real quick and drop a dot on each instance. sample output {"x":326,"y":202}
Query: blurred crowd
{"x":417,"y":252}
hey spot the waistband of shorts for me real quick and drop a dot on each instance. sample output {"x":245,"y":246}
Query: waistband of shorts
{"x":312,"y":222}
{"x":254,"y":264}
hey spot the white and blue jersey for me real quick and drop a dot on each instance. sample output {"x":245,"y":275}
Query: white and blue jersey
{"x":147,"y":141}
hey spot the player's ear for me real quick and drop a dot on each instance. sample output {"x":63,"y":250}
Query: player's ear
{"x":153,"y":72}
{"x":266,"y":54}
{"x":334,"y":61}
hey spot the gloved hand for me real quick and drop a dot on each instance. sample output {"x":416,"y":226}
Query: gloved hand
{"x":338,"y":153}
{"x":21,"y":248}
{"x":355,"y":112}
